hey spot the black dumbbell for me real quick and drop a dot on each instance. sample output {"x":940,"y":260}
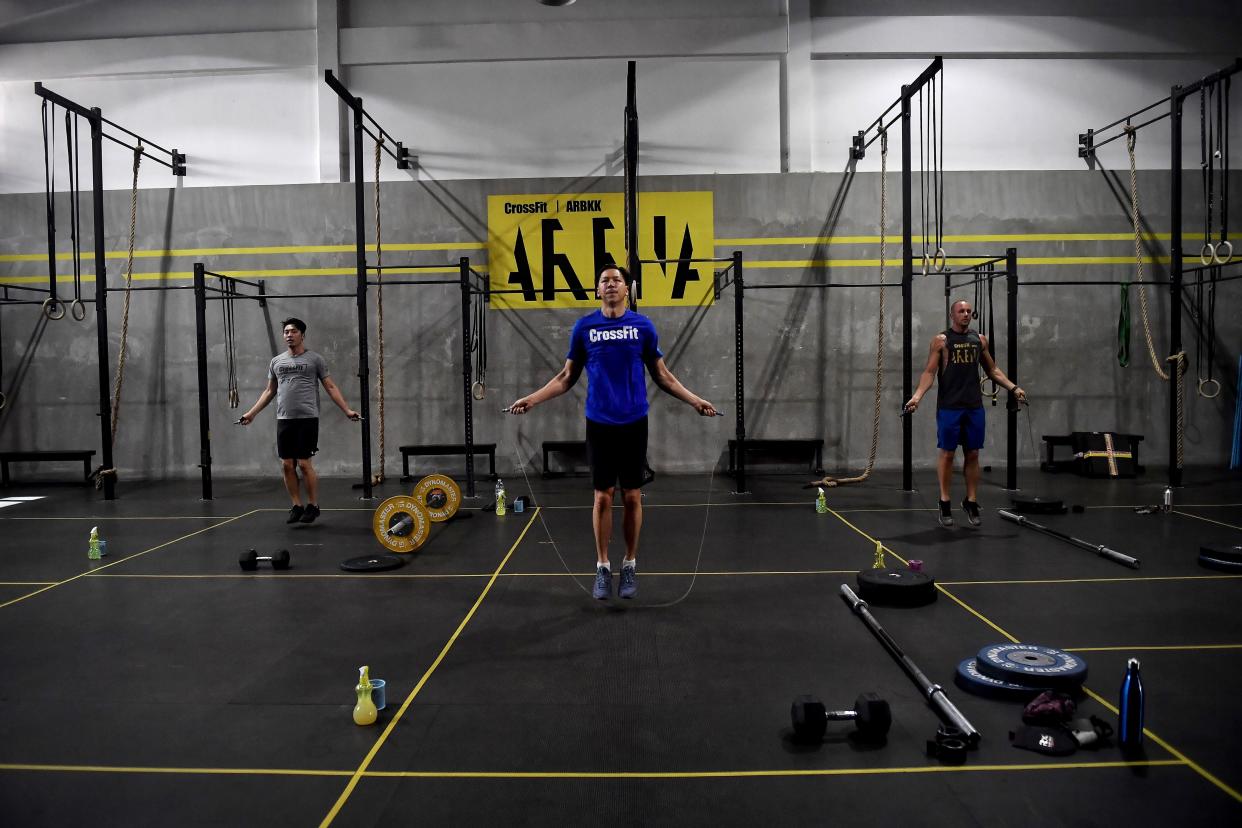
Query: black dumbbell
{"x":870,"y":715}
{"x":249,"y":560}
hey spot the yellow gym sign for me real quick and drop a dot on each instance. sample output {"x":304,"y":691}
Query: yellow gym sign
{"x":546,"y":249}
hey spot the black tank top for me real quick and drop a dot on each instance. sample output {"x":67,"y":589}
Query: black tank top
{"x":957,"y":383}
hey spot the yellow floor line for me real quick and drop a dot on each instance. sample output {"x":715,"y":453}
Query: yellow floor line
{"x":392,"y":724}
{"x":601,"y":775}
{"x":792,"y":772}
{"x":1172,"y":750}
{"x":110,"y":518}
{"x":187,"y":771}
{"x":1207,"y":520}
{"x":26,"y":583}
{"x":121,"y":560}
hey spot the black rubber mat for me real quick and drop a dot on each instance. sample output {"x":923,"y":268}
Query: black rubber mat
{"x":164,"y":680}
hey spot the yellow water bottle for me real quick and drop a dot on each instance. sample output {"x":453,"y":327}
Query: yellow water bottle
{"x":821,"y":501}
{"x":364,"y":711}
{"x":500,"y":497}
{"x":92,"y":550}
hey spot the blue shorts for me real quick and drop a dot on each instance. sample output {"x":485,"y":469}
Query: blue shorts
{"x":960,"y":426}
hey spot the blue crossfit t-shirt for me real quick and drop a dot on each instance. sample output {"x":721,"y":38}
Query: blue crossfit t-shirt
{"x":615,"y":352}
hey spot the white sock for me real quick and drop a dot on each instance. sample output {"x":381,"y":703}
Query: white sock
{"x":603,"y":566}
{"x":630,"y":564}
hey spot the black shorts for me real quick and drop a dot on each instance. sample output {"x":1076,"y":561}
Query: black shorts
{"x":297,"y":439}
{"x":617,"y":452}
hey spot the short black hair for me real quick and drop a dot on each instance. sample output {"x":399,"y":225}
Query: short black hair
{"x":295,"y":322}
{"x":625,"y":274}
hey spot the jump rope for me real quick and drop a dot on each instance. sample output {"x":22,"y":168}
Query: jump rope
{"x":517,"y":444}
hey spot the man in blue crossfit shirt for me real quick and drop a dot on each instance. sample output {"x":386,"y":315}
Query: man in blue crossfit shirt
{"x":615,"y":344}
{"x":953,"y":362}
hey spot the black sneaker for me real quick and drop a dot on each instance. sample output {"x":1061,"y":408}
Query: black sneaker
{"x":312,"y":512}
{"x":295,"y":514}
{"x":971,"y":508}
{"x":946,"y":513}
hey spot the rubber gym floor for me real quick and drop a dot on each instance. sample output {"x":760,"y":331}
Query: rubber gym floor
{"x":163,"y":685}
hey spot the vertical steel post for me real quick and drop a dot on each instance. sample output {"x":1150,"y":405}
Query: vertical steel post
{"x":467,"y":399}
{"x":907,"y":282}
{"x":1175,"y":275}
{"x":101,"y":305}
{"x":364,"y":379}
{"x":739,"y":339}
{"x":200,"y":341}
{"x":1011,"y":355}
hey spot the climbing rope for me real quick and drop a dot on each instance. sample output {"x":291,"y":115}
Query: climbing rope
{"x":129,"y":284}
{"x":1179,"y":359}
{"x":1131,"y":137}
{"x":830,"y":482}
{"x":378,"y":478}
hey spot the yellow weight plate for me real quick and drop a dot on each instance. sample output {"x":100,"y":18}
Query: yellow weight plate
{"x":401,"y":524}
{"x":440,"y":495}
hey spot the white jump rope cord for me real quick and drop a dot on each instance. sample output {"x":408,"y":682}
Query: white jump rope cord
{"x":702,"y":538}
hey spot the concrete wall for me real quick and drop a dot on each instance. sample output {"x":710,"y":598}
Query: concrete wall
{"x":810,"y":353}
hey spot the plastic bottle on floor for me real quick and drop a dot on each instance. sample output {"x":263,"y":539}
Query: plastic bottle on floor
{"x":92,"y":549}
{"x":364,"y":711}
{"x":821,"y":501}
{"x":500,"y":496}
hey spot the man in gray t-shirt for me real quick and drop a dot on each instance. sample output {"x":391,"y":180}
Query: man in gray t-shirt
{"x":293,"y":378}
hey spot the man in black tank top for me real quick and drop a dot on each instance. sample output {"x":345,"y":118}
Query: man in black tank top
{"x":953,"y":361}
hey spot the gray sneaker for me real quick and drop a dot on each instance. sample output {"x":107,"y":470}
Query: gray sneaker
{"x":971,"y":508}
{"x":628,"y":587}
{"x":946,"y":513}
{"x":603,"y":584}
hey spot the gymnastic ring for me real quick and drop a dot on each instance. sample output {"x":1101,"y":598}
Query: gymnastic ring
{"x":77,"y":309}
{"x":940,"y":260}
{"x":53,"y":308}
{"x":478,"y":390}
{"x":927,"y":260}
{"x":1207,"y":253}
{"x":995,"y":392}
{"x":1225,"y":245}
{"x":3,"y":400}
{"x":1203,"y":383}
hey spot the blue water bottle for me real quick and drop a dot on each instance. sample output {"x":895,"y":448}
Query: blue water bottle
{"x":1130,"y":716}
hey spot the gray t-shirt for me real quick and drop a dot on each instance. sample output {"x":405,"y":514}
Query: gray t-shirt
{"x":297,"y":384}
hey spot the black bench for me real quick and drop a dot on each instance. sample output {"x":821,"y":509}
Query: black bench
{"x":1075,"y":443}
{"x":7,"y":457}
{"x":575,"y":448}
{"x":815,"y":448}
{"x":434,"y":449}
